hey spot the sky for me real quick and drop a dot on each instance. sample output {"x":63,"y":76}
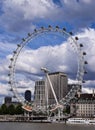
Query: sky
{"x":19,"y":17}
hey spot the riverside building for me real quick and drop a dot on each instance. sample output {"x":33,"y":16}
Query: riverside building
{"x":84,"y":106}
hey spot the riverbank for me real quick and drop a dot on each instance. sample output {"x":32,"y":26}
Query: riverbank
{"x":33,"y":119}
{"x":21,"y":118}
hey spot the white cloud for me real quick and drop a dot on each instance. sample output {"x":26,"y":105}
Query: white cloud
{"x":3,"y":89}
{"x":4,"y":78}
{"x":87,"y":90}
{"x":20,"y":15}
{"x":55,"y":58}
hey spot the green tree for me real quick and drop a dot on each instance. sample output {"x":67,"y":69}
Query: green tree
{"x":4,"y":109}
{"x":0,"y":111}
{"x":66,"y":110}
{"x":19,"y":110}
{"x":11,"y":109}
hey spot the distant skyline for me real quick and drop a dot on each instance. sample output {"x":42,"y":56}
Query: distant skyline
{"x":19,"y":17}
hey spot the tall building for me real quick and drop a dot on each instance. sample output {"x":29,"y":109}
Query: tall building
{"x":28,"y":95}
{"x":8,"y":100}
{"x":59,"y":82}
{"x":39,"y":93}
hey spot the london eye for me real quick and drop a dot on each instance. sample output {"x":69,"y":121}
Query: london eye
{"x":45,"y":44}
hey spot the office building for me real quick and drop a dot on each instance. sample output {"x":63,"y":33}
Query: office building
{"x":39,"y":93}
{"x":59,"y":82}
{"x":28,"y":95}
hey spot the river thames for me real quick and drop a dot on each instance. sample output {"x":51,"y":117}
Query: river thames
{"x":43,"y":126}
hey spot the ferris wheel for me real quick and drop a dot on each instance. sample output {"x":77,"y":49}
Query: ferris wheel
{"x":43,"y":36}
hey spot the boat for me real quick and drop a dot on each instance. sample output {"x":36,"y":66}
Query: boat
{"x":81,"y":121}
{"x":92,"y":122}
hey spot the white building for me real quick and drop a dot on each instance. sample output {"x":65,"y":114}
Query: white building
{"x":84,"y":106}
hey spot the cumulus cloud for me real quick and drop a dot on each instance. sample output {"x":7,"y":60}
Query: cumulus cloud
{"x":87,"y":90}
{"x":54,"y":58}
{"x":79,"y":13}
{"x":4,"y":89}
{"x":21,"y":15}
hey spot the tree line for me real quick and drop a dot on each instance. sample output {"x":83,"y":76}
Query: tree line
{"x":11,"y":109}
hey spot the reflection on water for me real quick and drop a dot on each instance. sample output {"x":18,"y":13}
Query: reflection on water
{"x":43,"y":126}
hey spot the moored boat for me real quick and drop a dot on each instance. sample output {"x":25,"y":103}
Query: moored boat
{"x":81,"y":121}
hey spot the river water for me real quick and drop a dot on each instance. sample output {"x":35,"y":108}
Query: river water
{"x":43,"y":126}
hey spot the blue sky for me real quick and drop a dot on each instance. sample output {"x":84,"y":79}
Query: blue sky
{"x":18,"y":17}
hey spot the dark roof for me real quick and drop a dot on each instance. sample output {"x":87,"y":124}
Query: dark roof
{"x":53,"y":73}
{"x":86,"y":96}
{"x":83,"y":98}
